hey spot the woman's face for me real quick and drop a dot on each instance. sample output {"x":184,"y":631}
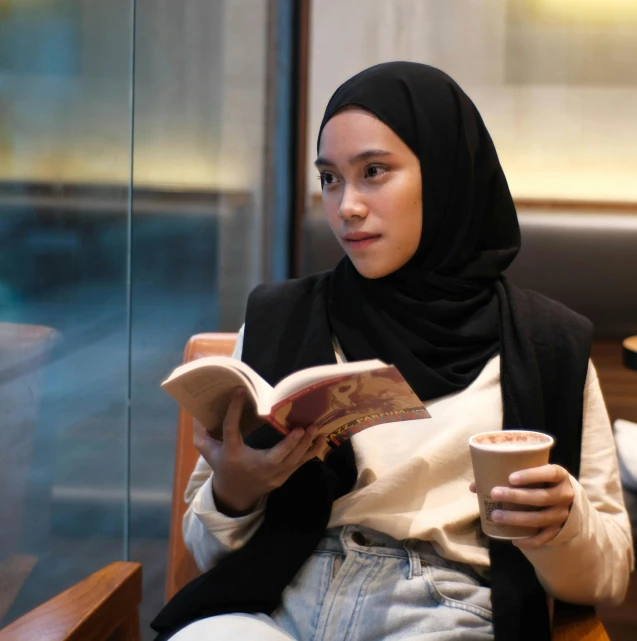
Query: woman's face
{"x":372,"y":191}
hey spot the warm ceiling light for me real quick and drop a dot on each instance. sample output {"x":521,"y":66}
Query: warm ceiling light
{"x":617,"y":12}
{"x":23,"y":4}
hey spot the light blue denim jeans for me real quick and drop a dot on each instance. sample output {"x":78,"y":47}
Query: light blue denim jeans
{"x":361,"y":585}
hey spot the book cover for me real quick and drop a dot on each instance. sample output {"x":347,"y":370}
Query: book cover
{"x":346,"y":405}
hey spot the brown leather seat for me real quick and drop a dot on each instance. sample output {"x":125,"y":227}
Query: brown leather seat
{"x":181,"y":566}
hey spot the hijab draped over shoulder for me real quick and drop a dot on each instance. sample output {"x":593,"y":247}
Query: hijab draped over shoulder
{"x":436,"y":318}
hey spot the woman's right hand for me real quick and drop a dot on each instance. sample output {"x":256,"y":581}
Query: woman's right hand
{"x":243,"y":475}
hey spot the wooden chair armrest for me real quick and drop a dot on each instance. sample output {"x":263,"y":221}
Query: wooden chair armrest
{"x":571,"y":627}
{"x":102,"y":606}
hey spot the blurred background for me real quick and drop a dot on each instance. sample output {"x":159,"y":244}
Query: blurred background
{"x":156,"y":164}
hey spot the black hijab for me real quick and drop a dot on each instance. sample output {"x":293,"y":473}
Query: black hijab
{"x":436,"y":318}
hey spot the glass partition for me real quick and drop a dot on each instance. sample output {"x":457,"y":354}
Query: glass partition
{"x":64,"y":174}
{"x":196,"y":219}
{"x":132,"y":155}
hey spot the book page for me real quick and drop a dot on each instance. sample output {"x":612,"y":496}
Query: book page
{"x":261,"y":388}
{"x":349,"y":404}
{"x":205,"y":392}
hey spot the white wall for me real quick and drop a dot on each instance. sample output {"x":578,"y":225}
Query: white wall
{"x":573,"y":138}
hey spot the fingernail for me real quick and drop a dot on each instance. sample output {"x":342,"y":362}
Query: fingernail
{"x":514,"y":478}
{"x":497,"y":515}
{"x":497,"y":493}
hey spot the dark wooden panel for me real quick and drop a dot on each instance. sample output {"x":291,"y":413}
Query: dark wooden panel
{"x":619,"y":384}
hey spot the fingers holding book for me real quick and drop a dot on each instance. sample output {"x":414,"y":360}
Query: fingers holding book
{"x":232,"y":438}
{"x":243,"y":475}
{"x":297,"y":447}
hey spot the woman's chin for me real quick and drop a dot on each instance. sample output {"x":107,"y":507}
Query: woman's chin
{"x":370,"y":269}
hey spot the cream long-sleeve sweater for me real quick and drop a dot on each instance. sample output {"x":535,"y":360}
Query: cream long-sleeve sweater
{"x":413,"y":482}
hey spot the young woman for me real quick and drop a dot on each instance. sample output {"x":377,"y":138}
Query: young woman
{"x":382,"y":541}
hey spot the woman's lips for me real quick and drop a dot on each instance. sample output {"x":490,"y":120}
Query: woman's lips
{"x":356,"y":241}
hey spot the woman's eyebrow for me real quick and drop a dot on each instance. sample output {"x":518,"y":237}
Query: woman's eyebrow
{"x":362,"y":156}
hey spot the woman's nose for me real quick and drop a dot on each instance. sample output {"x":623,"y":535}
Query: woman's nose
{"x":352,"y":206}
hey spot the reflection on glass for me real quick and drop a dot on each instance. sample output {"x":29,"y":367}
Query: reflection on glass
{"x":198,"y":167}
{"x":67,"y":356}
{"x":64,"y":140}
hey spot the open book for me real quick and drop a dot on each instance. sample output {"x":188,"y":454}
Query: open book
{"x":342,"y":399}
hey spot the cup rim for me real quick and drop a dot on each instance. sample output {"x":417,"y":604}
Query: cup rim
{"x":490,"y":447}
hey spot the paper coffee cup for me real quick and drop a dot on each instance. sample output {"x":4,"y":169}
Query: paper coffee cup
{"x":495,"y":456}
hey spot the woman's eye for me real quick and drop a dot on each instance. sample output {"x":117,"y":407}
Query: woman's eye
{"x":327,"y":178}
{"x":374,"y":171}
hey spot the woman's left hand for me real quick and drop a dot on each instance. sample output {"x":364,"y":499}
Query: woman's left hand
{"x":554,"y":500}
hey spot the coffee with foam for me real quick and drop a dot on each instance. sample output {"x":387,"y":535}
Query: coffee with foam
{"x":511,"y":440}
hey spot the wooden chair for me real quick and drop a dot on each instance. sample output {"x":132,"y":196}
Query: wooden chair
{"x":181,"y":566}
{"x":106,"y":603}
{"x":102,"y":607}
